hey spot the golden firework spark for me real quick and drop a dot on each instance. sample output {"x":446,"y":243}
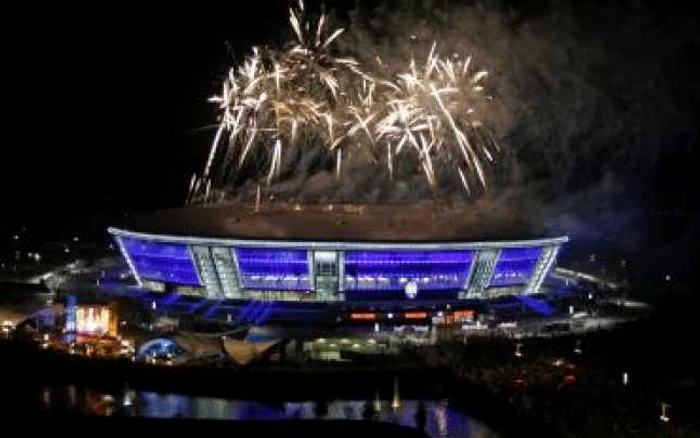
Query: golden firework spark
{"x":305,"y":97}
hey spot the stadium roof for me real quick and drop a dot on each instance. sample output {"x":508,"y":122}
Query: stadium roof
{"x":419,"y":222}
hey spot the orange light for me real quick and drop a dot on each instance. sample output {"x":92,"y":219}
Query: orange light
{"x":415,"y":315}
{"x":569,"y":379}
{"x":362,"y":316}
{"x":95,"y":319}
{"x":463,"y":314}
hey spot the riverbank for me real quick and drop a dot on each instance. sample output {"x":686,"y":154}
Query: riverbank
{"x":310,"y":380}
{"x":34,"y":370}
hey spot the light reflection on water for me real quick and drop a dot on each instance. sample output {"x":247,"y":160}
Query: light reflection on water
{"x":443,"y":419}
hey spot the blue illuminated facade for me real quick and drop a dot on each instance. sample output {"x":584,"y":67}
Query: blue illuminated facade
{"x":393,"y":270}
{"x":336,"y":271}
{"x":381,"y":274}
{"x":159,"y":261}
{"x":274,"y":269}
{"x":515,"y":266}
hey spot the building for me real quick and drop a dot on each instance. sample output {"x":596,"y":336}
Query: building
{"x":355,"y":256}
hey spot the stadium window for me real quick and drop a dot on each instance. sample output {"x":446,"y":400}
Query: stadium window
{"x":325,"y":268}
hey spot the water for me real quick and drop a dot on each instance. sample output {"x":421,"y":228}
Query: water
{"x":443,"y":419}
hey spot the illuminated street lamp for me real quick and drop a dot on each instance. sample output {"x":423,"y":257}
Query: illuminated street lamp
{"x":625,"y":378}
{"x":128,"y":398}
{"x":377,"y":402}
{"x":577,"y":348}
{"x":664,"y":416}
{"x":518,"y":353}
{"x":396,"y":401}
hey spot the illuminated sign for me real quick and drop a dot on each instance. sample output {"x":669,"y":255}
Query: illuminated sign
{"x":93,"y":320}
{"x":415,"y":315}
{"x":411,"y":289}
{"x":460,"y":315}
{"x":362,"y":316}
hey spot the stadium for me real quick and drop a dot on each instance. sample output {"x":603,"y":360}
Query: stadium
{"x":333,"y":263}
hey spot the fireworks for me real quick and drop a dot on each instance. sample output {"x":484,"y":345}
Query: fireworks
{"x":278,"y":104}
{"x":430,"y":111}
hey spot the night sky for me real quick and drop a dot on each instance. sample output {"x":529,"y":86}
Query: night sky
{"x":108,"y":111}
{"x":113,"y":104}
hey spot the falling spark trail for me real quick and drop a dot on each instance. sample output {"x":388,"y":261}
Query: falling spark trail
{"x":305,"y":98}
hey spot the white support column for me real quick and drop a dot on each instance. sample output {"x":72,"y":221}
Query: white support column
{"x":312,"y":274}
{"x":206,"y":271}
{"x":237,"y":271}
{"x":341,"y":272}
{"x":226,"y":271}
{"x":472,"y":264}
{"x":544,"y":264}
{"x":129,"y":262}
{"x":485,"y":262}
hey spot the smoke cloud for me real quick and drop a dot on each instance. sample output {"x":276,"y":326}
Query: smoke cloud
{"x":592,"y":99}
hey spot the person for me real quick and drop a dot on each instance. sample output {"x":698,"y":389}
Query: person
{"x":421,"y":416}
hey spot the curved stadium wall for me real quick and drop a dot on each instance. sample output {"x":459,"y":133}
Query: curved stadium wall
{"x":331,"y":271}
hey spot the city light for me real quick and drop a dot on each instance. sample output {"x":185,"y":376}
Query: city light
{"x":95,"y":320}
{"x":362,"y":316}
{"x":664,"y":412}
{"x":396,"y":400}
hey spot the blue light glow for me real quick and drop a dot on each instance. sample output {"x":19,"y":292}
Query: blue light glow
{"x":166,"y":262}
{"x":515,"y":266}
{"x":274,"y":269}
{"x":541,"y":307}
{"x":392,"y":270}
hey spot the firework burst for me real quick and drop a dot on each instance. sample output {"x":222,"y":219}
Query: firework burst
{"x":305,"y":97}
{"x":274,"y":98}
{"x":430,"y":111}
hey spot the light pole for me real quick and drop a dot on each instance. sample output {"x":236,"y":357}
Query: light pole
{"x":664,"y":416}
{"x":396,"y":402}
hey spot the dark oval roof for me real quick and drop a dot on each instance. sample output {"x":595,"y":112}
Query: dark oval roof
{"x":424,"y":221}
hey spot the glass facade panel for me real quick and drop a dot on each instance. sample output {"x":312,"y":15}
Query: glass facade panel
{"x":515,"y":266}
{"x":392,"y":270}
{"x":166,"y":262}
{"x":272,"y":269}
